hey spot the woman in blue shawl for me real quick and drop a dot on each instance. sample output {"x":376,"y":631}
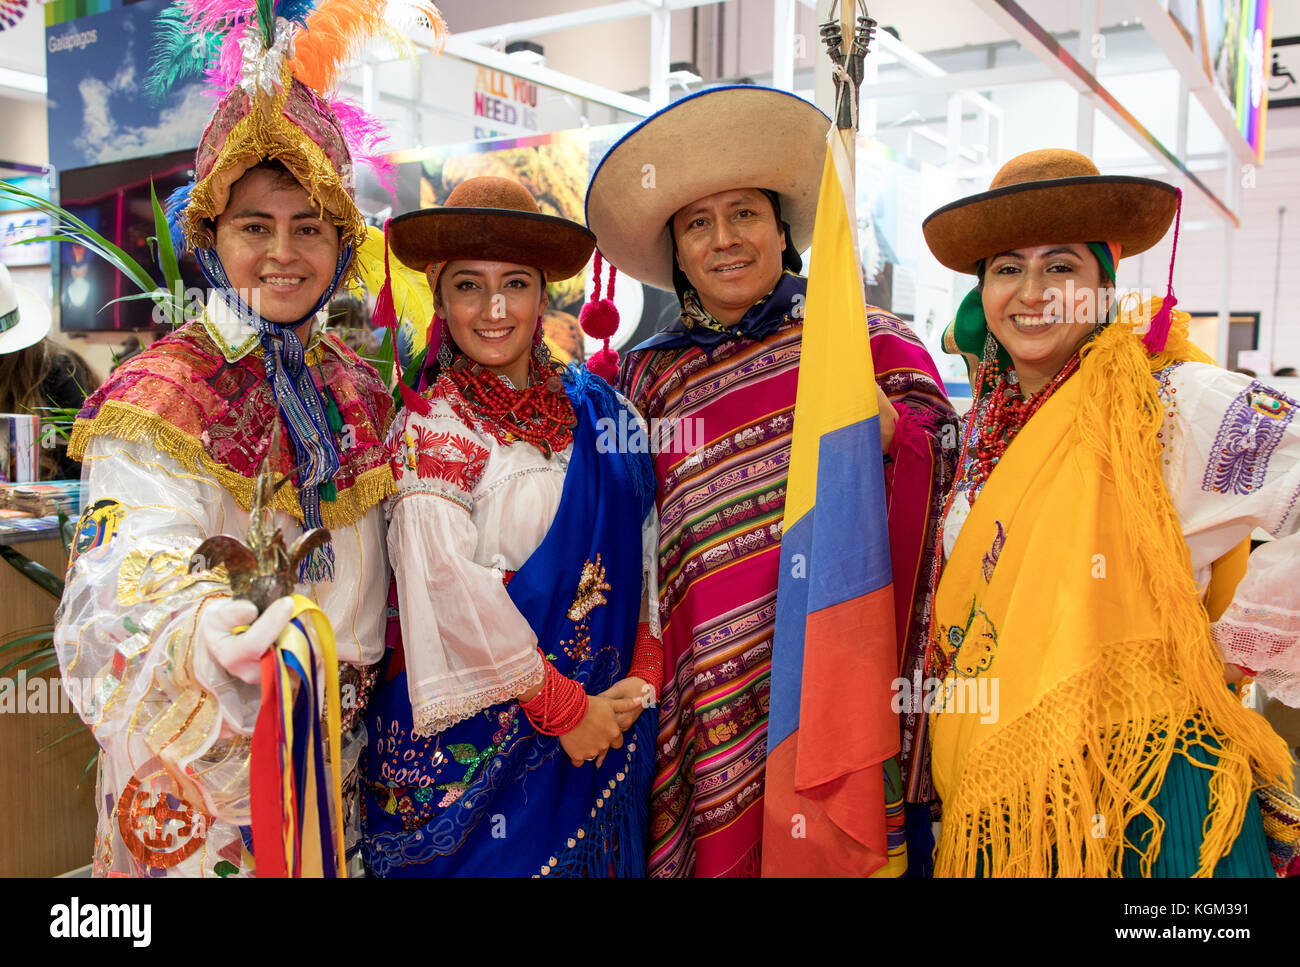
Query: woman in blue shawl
{"x":512,"y":729}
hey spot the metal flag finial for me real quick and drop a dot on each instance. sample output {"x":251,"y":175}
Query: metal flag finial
{"x":848,"y":66}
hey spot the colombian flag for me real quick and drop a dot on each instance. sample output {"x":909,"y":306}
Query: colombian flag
{"x":831,"y":729}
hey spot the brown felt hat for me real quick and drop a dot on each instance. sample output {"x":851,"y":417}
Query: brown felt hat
{"x":494,"y":219}
{"x":1050,"y":196}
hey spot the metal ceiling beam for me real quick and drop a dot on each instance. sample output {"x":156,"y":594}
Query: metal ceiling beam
{"x":980,"y":80}
{"x":1030,"y":34}
{"x":1161,"y":27}
{"x":457,"y":46}
{"x":554,"y":23}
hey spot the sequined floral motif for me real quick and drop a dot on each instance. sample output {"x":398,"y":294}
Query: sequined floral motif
{"x":412,"y":788}
{"x":590,"y":586}
{"x":590,"y":595}
{"x":1252,"y":428}
{"x":967,"y":650}
{"x":990,"y":560}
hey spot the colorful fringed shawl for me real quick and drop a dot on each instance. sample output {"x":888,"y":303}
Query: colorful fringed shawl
{"x":182,"y":396}
{"x":1068,"y":601}
{"x":490,"y":796}
{"x":721,"y":480}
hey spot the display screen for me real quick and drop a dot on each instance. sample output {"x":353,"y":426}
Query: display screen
{"x":113,"y":199}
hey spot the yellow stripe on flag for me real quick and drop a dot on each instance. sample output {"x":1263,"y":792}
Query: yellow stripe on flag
{"x":836,"y":378}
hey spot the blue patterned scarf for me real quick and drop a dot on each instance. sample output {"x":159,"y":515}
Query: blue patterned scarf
{"x":297,"y":398}
{"x":696,"y":327}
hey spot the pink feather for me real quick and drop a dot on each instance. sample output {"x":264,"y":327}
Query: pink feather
{"x":366,"y":138}
{"x":210,"y":14}
{"x":223,"y":73}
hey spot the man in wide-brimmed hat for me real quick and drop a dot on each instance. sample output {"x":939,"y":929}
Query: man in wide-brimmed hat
{"x":691,"y":201}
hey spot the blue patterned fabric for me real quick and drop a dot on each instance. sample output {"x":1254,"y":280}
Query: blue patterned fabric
{"x":490,"y":796}
{"x":299,"y":401}
{"x":759,"y":321}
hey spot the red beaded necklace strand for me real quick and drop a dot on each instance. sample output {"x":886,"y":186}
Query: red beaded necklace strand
{"x":1006,"y":416}
{"x":540,"y":414}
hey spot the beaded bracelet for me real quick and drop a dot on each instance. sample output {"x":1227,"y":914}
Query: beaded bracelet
{"x":559,"y":707}
{"x":647,"y":658}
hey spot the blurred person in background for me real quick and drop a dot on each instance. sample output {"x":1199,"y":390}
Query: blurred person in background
{"x":36,"y":374}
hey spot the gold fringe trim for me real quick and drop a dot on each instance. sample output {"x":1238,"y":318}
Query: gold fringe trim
{"x":1106,"y":736}
{"x":125,"y":421}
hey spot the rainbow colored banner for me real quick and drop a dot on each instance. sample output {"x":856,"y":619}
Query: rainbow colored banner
{"x":1253,"y":43}
{"x":830,"y":727}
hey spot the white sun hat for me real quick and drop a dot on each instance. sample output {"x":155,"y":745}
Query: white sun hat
{"x":716,"y":140}
{"x":24,"y":316}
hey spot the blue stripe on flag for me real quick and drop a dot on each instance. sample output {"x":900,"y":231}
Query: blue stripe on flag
{"x":852,"y":556}
{"x":787,"y":641}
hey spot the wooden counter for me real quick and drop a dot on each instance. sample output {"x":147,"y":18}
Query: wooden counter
{"x":47,"y":820}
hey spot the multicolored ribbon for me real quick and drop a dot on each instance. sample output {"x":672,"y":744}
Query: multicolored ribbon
{"x":297,"y":806}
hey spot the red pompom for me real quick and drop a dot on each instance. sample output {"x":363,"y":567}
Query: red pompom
{"x":604,"y":363}
{"x":599,"y":319}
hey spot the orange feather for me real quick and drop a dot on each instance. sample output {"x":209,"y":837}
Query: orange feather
{"x":339,"y":29}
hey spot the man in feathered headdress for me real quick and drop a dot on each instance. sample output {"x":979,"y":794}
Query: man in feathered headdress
{"x":161,"y":662}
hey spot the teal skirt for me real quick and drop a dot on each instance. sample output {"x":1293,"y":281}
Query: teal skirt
{"x":1183,"y":803}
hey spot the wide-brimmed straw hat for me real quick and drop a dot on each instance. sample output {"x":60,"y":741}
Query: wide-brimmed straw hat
{"x":24,"y":316}
{"x":494,"y":219}
{"x":1050,"y":196}
{"x":717,"y":140}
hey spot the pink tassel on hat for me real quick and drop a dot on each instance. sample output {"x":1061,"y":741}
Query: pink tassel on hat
{"x":599,"y":320}
{"x":1158,"y":332}
{"x":385,"y":315}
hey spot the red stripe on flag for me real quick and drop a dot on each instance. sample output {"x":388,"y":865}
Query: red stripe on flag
{"x":799,"y":838}
{"x":829,"y":771}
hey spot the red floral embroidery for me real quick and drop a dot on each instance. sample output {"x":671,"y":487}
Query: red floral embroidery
{"x":449,"y":457}
{"x":394,"y":451}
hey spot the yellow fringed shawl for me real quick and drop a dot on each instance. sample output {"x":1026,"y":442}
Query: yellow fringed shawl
{"x":1087,"y":620}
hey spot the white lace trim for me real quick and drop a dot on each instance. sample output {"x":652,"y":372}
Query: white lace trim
{"x":438,"y":715}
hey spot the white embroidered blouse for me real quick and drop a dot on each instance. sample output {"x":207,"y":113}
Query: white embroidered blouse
{"x":469,"y":508}
{"x":1231,"y":462}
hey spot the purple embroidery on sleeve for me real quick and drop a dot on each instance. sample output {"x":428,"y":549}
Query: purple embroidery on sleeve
{"x":1251,"y":430}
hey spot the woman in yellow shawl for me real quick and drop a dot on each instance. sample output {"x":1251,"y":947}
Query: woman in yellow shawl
{"x":1081,"y":724}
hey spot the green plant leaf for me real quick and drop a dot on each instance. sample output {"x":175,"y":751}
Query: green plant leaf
{"x":385,"y":363}
{"x":42,"y":655}
{"x":67,"y":532}
{"x":167,"y":260}
{"x":68,"y":228}
{"x":45,"y":634}
{"x":90,"y":764}
{"x":63,"y":724}
{"x":63,"y":738}
{"x":39,"y":575}
{"x":43,"y":665}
